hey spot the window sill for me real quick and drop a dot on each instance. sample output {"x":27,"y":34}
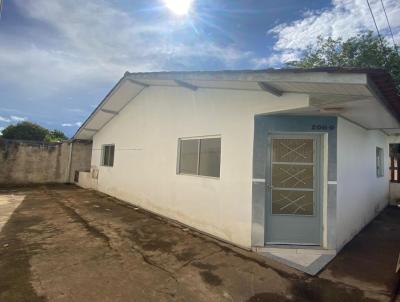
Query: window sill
{"x":200,"y":176}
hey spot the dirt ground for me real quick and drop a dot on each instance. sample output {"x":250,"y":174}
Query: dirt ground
{"x":63,"y":243}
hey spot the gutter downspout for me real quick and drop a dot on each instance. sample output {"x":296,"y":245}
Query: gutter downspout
{"x":68,"y":172}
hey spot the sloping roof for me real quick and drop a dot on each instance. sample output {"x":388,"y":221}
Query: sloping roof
{"x":319,"y":82}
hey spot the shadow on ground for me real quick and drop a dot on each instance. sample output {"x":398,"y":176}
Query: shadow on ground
{"x":64,"y":243}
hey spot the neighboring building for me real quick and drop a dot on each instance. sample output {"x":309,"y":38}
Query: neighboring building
{"x":257,"y":158}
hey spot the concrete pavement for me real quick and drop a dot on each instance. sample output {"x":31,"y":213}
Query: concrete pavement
{"x":63,"y":243}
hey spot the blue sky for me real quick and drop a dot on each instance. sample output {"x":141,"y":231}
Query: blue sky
{"x":58,"y":58}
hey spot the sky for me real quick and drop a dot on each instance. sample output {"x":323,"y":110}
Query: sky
{"x":59,"y":58}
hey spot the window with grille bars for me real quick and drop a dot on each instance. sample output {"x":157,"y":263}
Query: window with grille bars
{"x":199,"y":156}
{"x":107,"y":155}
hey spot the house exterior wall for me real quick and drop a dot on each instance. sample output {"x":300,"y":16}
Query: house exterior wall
{"x":146,"y":136}
{"x":361,"y":195}
{"x":86,"y":181}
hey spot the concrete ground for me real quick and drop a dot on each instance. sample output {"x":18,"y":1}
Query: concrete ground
{"x":63,"y":243}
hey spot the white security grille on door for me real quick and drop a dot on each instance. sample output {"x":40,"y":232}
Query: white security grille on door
{"x":107,"y":155}
{"x":292,"y":176}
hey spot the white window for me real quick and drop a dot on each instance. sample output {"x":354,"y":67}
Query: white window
{"x":107,"y":155}
{"x":379,"y":162}
{"x":199,"y":156}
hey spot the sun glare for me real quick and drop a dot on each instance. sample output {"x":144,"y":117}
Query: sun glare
{"x":179,"y":7}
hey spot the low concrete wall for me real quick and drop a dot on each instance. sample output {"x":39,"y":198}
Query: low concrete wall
{"x":81,"y":158}
{"x":23,"y":162}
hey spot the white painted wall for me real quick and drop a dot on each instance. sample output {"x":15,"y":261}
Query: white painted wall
{"x":394,"y":193}
{"x":86,"y":181}
{"x":146,"y":134}
{"x":361,"y":195}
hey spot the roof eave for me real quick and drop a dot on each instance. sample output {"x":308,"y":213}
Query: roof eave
{"x":378,"y":81}
{"x":97,"y":109}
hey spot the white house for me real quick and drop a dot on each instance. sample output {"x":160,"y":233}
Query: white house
{"x":291,"y":162}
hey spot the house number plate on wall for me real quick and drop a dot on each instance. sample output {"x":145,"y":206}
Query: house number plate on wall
{"x":322,"y":127}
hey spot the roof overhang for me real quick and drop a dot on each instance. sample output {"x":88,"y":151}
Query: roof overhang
{"x":365,"y":96}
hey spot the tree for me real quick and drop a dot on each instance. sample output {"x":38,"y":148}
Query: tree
{"x":363,"y":50}
{"x":55,"y":136}
{"x":25,"y":131}
{"x":33,"y":132}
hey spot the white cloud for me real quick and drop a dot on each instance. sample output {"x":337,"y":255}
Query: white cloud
{"x":344,"y":19}
{"x":95,"y":42}
{"x":17,"y":118}
{"x":1,"y":130}
{"x":4,"y":119}
{"x":276,"y":59}
{"x":77,"y":124}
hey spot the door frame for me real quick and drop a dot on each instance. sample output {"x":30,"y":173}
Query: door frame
{"x":320,"y":180}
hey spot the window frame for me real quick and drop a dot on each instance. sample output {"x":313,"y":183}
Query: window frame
{"x":198,"y":138}
{"x":380,"y":162}
{"x":102,"y":161}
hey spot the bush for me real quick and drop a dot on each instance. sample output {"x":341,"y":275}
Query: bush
{"x":33,"y":132}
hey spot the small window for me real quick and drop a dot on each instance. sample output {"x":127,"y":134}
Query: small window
{"x":107,"y":157}
{"x":200,"y":156}
{"x":379,"y":162}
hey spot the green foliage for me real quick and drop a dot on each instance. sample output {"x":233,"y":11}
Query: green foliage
{"x":364,"y":50}
{"x":25,"y":131}
{"x":55,"y":136}
{"x":33,"y":132}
